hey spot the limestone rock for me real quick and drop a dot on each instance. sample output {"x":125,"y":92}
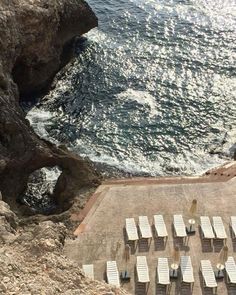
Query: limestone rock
{"x":6,"y":212}
{"x":34,"y":263}
{"x":36,"y":40}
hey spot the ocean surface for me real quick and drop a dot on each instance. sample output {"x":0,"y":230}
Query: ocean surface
{"x":152,"y":90}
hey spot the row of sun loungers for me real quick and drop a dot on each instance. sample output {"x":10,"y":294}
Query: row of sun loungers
{"x":145,"y":228}
{"x":208,"y":230}
{"x":163,"y":272}
{"x":216,"y":230}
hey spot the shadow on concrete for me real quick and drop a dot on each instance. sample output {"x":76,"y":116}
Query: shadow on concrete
{"x":205,"y":290}
{"x":218,"y":245}
{"x":233,"y":238}
{"x":185,"y":289}
{"x":143,"y":245}
{"x":162,"y":290}
{"x":159,"y":243}
{"x":231,"y":289}
{"x":205,"y":243}
{"x":133,"y":245}
{"x":140,"y":288}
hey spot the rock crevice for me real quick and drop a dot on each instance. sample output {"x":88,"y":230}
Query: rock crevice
{"x":36,"y":40}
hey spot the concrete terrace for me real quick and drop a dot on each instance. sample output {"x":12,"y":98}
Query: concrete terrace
{"x":100,"y":236}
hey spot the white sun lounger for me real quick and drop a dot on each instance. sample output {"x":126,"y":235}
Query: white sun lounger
{"x":163,"y":272}
{"x":206,"y":228}
{"x":233,"y":225}
{"x":131,"y":229}
{"x":179,"y":226}
{"x":112,"y":274}
{"x":186,"y":270}
{"x":219,"y":228}
{"x":160,"y":226}
{"x":230,"y":268}
{"x":145,"y":228}
{"x":208,"y":274}
{"x":88,"y":270}
{"x":142,"y":270}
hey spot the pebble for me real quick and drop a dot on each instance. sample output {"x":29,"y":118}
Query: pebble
{"x":6,"y":279}
{"x":3,"y":287}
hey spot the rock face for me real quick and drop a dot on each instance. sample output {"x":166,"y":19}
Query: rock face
{"x":36,"y":37}
{"x":32,"y":261}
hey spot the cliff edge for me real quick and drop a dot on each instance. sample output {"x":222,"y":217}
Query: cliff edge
{"x":32,"y":260}
{"x":36,"y":40}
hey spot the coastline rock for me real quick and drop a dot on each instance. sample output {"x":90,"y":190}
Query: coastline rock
{"x":32,"y":262}
{"x":36,"y":40}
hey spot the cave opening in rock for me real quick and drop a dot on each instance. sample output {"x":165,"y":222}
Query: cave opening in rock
{"x":39,"y":197}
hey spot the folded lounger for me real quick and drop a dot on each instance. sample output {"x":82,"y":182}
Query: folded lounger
{"x":145,"y":228}
{"x":88,"y":270}
{"x":142,"y":270}
{"x":186,"y":270}
{"x":230,"y":268}
{"x":208,"y":275}
{"x":163,"y":272}
{"x":233,"y":225}
{"x":219,"y":228}
{"x":131,"y":229}
{"x":206,"y":228}
{"x":112,"y":274}
{"x":179,"y":226}
{"x":160,"y":226}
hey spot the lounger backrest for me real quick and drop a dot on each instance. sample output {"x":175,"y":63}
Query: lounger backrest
{"x":206,"y":227}
{"x":144,"y":227}
{"x":142,"y":269}
{"x":219,"y":227}
{"x":230,"y":268}
{"x":208,"y":274}
{"x":131,"y":229}
{"x":233,"y":224}
{"x":163,"y":272}
{"x":179,"y":226}
{"x":88,"y":270}
{"x":160,"y":226}
{"x":113,"y":274}
{"x":186,"y":269}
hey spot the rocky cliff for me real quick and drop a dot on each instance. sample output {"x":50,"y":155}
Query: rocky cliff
{"x":32,"y":260}
{"x":36,"y":40}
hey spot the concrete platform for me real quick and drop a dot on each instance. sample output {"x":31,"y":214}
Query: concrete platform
{"x":101,"y":235}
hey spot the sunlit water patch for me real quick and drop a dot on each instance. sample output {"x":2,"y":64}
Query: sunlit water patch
{"x":153,"y":89}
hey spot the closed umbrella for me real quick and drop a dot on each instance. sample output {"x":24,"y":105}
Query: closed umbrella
{"x":192,"y":211}
{"x":176,"y":258}
{"x":127,"y":250}
{"x":223,"y":257}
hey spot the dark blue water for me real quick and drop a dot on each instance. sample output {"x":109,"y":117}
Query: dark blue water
{"x":152,"y":90}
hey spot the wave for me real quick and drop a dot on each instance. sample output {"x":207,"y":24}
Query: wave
{"x":141,"y":97}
